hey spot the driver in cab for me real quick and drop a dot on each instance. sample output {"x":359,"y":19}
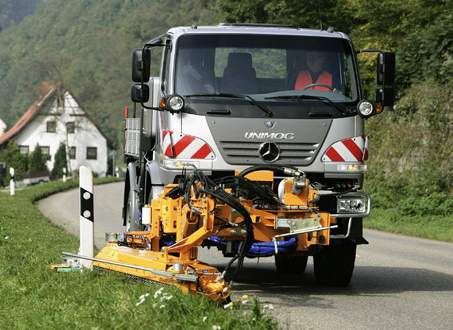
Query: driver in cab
{"x":315,"y":77}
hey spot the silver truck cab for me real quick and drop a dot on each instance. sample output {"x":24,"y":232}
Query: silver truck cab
{"x":235,"y":95}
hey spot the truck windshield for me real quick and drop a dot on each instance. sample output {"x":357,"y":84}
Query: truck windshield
{"x":269,"y":67}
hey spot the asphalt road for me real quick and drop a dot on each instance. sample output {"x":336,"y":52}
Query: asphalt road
{"x":399,"y":282}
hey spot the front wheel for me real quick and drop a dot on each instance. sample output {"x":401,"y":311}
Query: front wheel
{"x":334,"y":264}
{"x":290,"y":264}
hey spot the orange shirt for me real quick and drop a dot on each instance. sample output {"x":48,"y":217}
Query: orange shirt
{"x":304,"y":78}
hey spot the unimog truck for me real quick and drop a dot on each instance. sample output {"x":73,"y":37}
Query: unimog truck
{"x":251,"y":140}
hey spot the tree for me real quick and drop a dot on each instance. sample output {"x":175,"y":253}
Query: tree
{"x":306,"y":13}
{"x":37,"y":161}
{"x":10,"y":155}
{"x":60,"y":162}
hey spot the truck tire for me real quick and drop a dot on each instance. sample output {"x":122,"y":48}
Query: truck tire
{"x":131,"y":208}
{"x":131,"y":225}
{"x":287,"y":264}
{"x":334,"y":264}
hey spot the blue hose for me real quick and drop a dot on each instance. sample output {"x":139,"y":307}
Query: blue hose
{"x":258,"y":249}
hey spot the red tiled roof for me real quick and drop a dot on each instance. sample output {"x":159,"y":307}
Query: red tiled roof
{"x":28,"y":115}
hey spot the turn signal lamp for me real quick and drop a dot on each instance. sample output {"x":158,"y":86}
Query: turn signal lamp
{"x":351,"y":168}
{"x":162,"y":104}
{"x":178,"y":164}
{"x":378,"y":107}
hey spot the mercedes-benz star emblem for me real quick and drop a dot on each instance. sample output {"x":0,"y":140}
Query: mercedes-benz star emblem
{"x":269,"y":151}
{"x":269,"y":124}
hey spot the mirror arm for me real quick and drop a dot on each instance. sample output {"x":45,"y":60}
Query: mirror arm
{"x":150,"y":108}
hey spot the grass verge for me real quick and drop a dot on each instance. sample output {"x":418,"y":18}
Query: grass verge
{"x":436,"y":227}
{"x":32,"y":296}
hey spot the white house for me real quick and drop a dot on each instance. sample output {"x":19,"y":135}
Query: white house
{"x":58,"y":118}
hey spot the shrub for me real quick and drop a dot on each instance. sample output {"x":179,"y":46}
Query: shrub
{"x":60,"y":162}
{"x":37,"y":161}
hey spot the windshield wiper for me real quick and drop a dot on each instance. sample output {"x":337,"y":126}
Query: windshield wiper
{"x":323,"y":99}
{"x":237,"y":96}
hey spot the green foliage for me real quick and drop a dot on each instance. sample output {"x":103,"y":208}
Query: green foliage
{"x":37,"y":161}
{"x":308,"y":13}
{"x":60,"y":162}
{"x":419,"y":31}
{"x":435,"y":203}
{"x":427,"y":225}
{"x":11,"y":156}
{"x":411,"y":147}
{"x":428,"y":52}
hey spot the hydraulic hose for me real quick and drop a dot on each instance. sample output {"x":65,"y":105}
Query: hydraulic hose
{"x":245,"y":246}
{"x":288,"y":170}
{"x":259,"y":249}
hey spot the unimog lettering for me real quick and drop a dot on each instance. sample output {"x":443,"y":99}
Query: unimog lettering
{"x":271,"y":136}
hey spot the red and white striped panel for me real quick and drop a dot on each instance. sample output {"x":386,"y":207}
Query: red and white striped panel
{"x":183,"y":146}
{"x":348,"y":150}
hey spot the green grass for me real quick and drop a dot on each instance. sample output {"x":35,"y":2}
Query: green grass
{"x":33,"y":296}
{"x":436,"y":227}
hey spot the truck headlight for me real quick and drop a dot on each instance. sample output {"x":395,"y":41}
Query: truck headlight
{"x":353,"y":204}
{"x":175,"y":103}
{"x":365,"y":108}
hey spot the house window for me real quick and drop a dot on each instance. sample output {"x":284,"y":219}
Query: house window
{"x":92,"y":153}
{"x":24,"y":150}
{"x":60,"y":101}
{"x":72,"y":152}
{"x":70,"y":127}
{"x":45,"y":152}
{"x":51,"y":126}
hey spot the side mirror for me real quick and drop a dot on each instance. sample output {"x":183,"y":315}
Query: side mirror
{"x":385,"y":79}
{"x":141,"y":65}
{"x":140,"y":93}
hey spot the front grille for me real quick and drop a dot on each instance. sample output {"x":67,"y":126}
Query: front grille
{"x":246,"y":152}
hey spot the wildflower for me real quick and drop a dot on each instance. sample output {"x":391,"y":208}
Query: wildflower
{"x":216,"y":327}
{"x":205,"y":318}
{"x":162,"y":306}
{"x":142,"y":299}
{"x":6,"y":237}
{"x":158,"y":292}
{"x":166,"y":297}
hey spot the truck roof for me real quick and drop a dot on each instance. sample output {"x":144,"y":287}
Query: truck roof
{"x":265,"y":29}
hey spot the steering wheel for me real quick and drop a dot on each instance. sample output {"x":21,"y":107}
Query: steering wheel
{"x":320,"y":85}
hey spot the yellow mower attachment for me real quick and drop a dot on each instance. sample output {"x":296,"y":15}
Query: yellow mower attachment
{"x":241,"y":215}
